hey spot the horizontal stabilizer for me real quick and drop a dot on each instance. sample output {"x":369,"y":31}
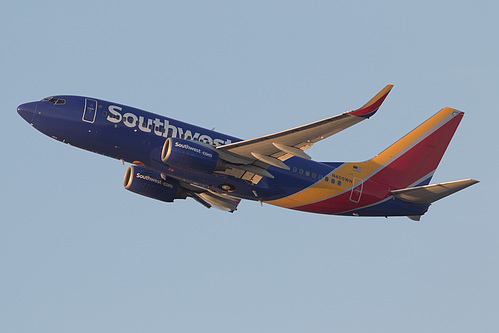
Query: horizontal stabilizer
{"x":425,"y":195}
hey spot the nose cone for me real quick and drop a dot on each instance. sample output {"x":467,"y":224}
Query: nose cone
{"x":27,"y":111}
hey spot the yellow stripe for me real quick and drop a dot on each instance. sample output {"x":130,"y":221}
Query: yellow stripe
{"x":378,"y":96}
{"x":343,"y":180}
{"x":347,"y":172}
{"x":407,"y":140}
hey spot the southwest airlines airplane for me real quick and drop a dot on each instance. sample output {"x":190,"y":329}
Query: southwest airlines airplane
{"x":175,"y":160}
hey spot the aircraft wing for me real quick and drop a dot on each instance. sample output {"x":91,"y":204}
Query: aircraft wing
{"x":274,"y":148}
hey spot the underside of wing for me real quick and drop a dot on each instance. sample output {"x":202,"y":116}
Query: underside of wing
{"x":215,"y":200}
{"x":273,"y":149}
{"x":211,"y":199}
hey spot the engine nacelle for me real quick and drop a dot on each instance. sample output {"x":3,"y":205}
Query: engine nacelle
{"x":149,"y":183}
{"x":191,"y":155}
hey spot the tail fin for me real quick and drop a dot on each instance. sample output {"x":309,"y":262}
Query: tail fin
{"x":412,"y":160}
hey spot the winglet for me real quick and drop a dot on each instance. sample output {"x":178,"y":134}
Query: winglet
{"x":370,"y":108}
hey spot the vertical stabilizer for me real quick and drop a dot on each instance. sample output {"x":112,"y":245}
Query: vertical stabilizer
{"x":412,"y":160}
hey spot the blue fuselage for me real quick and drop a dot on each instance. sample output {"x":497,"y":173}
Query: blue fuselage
{"x":137,"y":136}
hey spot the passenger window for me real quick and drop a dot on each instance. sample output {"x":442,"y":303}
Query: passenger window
{"x":327,"y":179}
{"x":295,"y":169}
{"x":307,"y":173}
{"x":339,"y":182}
{"x":301,"y":172}
{"x":314,"y":175}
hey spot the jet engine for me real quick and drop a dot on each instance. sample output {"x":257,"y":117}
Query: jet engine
{"x":149,"y":183}
{"x":191,"y":155}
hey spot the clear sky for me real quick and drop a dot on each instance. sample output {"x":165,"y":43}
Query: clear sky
{"x":78,"y":253}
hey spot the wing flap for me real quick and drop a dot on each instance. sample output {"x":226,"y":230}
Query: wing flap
{"x":218,"y":201}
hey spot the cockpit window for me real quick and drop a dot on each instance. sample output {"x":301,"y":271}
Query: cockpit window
{"x":55,"y":101}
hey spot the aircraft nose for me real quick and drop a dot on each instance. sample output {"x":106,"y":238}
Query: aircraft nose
{"x":27,"y":111}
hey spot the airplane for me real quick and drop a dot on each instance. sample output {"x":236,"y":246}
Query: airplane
{"x":173,"y":160}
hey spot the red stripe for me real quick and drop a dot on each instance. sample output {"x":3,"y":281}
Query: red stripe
{"x":419,"y":160}
{"x":413,"y":165}
{"x":371,"y":108}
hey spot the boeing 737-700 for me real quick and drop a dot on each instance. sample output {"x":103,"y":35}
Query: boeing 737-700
{"x":175,"y":160}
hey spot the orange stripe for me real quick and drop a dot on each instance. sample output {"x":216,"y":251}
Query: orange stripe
{"x":378,"y":99}
{"x":410,"y":138}
{"x":324,"y":190}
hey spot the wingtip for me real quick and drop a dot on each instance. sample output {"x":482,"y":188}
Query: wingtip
{"x":473,"y":181}
{"x":370,"y":108}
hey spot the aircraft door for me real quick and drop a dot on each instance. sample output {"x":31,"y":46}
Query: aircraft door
{"x":90,"y":110}
{"x":356,"y":190}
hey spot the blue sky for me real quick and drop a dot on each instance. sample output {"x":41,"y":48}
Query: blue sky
{"x":79,"y":253}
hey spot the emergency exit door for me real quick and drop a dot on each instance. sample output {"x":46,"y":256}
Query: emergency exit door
{"x":356,"y":190}
{"x":90,"y":110}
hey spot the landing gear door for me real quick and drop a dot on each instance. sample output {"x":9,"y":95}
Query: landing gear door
{"x":90,"y":110}
{"x":356,"y":190}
